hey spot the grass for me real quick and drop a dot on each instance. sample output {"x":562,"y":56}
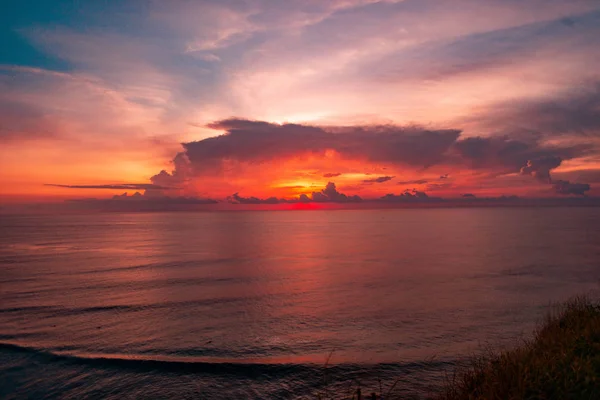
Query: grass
{"x":561,"y":361}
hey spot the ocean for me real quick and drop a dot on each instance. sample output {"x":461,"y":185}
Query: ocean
{"x":276,"y":305}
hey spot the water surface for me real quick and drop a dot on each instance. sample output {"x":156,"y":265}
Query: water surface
{"x":251,"y":304}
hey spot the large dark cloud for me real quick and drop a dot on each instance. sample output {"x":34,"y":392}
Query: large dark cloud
{"x":258,"y":142}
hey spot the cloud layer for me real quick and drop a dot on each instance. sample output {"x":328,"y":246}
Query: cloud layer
{"x":263,"y":145}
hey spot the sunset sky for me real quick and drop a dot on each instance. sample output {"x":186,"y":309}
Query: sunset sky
{"x":318,"y":100}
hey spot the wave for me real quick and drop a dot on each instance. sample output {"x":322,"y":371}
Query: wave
{"x":64,"y":311}
{"x":173,"y":264}
{"x":198,"y":366}
{"x":60,"y":311}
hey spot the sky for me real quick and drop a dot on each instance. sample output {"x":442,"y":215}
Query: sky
{"x":299,"y":101}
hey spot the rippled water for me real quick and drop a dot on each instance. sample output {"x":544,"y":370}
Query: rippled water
{"x":251,"y":304}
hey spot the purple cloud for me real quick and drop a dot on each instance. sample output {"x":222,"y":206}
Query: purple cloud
{"x":259,"y":142}
{"x":380,"y":179}
{"x":329,"y":194}
{"x":413,"y":182}
{"x":566,"y":187}
{"x":540,"y":168}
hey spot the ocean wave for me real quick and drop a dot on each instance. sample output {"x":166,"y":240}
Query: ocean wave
{"x":177,"y":264}
{"x":208,"y":367}
{"x":61,"y":311}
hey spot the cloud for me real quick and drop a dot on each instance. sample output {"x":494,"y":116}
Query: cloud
{"x":142,"y":203}
{"x":590,"y":175}
{"x":332,"y":174}
{"x":154,"y":199}
{"x":574,"y":111}
{"x":566,"y":187}
{"x":413,"y":182}
{"x":257,"y":144}
{"x":22,"y":121}
{"x":303,"y":198}
{"x":438,"y":186}
{"x":205,"y":61}
{"x":489,"y":50}
{"x":380,"y":179}
{"x":442,"y":182}
{"x":504,"y":154}
{"x":209,"y":57}
{"x":246,"y":141}
{"x":124,"y":186}
{"x":408,"y":196}
{"x":237,"y":199}
{"x":331,"y":194}
{"x":540,"y":168}
{"x":536,"y":159}
{"x":468,"y":195}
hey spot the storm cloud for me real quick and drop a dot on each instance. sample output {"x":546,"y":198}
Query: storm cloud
{"x":258,"y":142}
{"x":247,"y":141}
